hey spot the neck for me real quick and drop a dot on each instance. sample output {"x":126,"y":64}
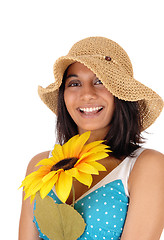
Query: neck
{"x":96,"y":135}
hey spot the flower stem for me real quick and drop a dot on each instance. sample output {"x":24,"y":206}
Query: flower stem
{"x":73,"y":194}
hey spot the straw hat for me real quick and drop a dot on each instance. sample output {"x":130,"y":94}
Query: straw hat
{"x":113,"y":67}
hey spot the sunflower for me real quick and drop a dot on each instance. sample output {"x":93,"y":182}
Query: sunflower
{"x":73,"y":159}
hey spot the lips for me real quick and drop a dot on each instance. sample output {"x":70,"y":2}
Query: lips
{"x":90,"y":110}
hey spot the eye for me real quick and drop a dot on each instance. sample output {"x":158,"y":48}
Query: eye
{"x":74,"y":83}
{"x":97,"y":82}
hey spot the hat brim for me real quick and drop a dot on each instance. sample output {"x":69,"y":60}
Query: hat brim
{"x":121,"y":84}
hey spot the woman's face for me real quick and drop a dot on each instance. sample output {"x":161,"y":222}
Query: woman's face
{"x":88,"y":102}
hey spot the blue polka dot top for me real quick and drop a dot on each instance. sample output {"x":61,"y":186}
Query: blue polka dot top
{"x":104,"y":207}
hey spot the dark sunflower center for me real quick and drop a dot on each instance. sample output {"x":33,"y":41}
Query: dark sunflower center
{"x":65,"y":164}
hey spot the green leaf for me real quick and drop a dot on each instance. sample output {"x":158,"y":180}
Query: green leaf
{"x":58,"y":221}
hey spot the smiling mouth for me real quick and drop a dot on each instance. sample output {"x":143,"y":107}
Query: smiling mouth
{"x":91,"y":110}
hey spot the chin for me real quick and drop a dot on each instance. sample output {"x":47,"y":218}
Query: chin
{"x":94,"y":128}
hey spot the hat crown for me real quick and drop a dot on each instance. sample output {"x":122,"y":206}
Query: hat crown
{"x":105,"y":47}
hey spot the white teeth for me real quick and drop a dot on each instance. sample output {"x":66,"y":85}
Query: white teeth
{"x":90,"y":109}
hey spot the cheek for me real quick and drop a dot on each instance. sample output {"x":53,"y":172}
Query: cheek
{"x":68,"y":99}
{"x":65,"y":98}
{"x":112,"y":103}
{"x":109,"y":98}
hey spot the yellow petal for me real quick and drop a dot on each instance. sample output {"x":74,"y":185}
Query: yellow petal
{"x":89,"y":146}
{"x":100,"y":148}
{"x":68,"y":146}
{"x":30,"y":178}
{"x":63,"y":186}
{"x":96,"y":157}
{"x":78,"y":145}
{"x":44,"y":169}
{"x":27,"y":178}
{"x":46,"y":161}
{"x":46,"y":188}
{"x":55,"y":157}
{"x":65,"y":148}
{"x":85,"y":155}
{"x":33,"y":188}
{"x":48,"y":176}
{"x":72,"y":172}
{"x":84,"y":178}
{"x":86,"y":168}
{"x":58,"y":152}
{"x":98,"y":166}
{"x":31,"y":182}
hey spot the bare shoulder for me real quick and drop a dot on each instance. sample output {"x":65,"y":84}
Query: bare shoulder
{"x":152,"y":154}
{"x":146,"y":194}
{"x":31,"y":166}
{"x":149,"y":158}
{"x":149,"y":165}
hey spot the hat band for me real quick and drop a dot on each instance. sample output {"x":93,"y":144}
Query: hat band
{"x":103,"y":57}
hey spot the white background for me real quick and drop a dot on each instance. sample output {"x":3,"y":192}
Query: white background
{"x":34,"y":34}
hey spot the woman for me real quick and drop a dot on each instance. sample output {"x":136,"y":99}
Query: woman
{"x":95,"y":91}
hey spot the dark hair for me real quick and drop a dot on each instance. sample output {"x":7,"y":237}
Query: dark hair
{"x":124,"y":135}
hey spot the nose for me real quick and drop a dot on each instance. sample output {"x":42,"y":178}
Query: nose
{"x":88,"y":93}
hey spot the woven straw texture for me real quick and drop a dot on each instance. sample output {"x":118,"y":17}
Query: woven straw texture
{"x":115,"y":72}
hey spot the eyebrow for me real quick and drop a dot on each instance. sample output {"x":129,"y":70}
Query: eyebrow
{"x":71,"y":75}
